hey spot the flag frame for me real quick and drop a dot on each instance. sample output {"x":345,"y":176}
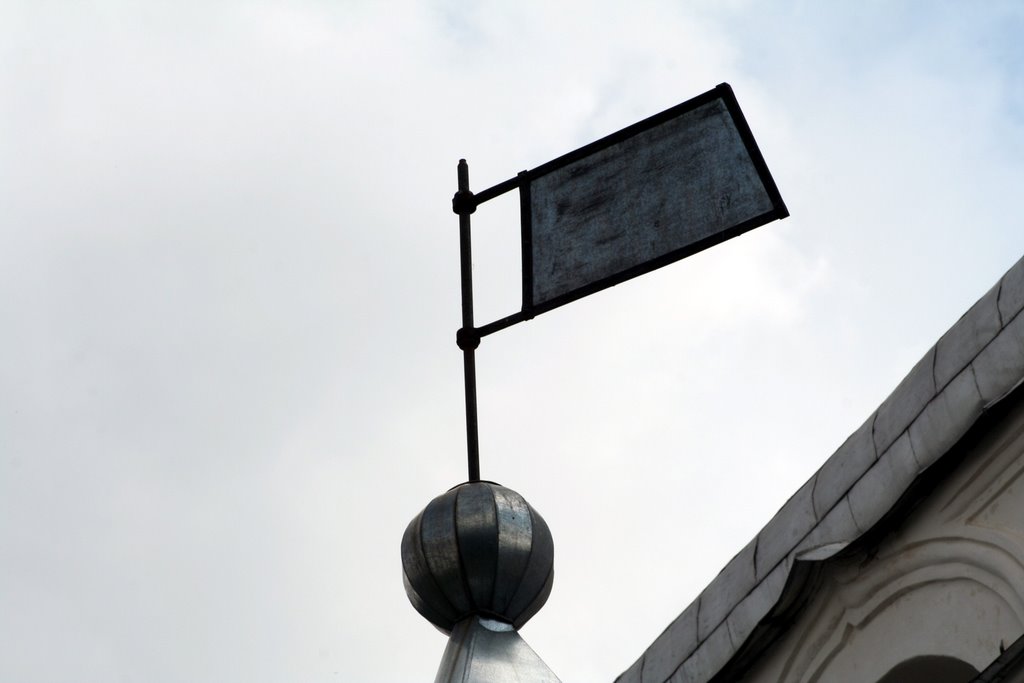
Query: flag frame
{"x":525,"y":180}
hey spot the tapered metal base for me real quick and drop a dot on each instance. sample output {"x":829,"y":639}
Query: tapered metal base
{"x":484,"y":650}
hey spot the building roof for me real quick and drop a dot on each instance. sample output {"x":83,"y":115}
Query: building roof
{"x":1007,"y":668}
{"x":974,"y":365}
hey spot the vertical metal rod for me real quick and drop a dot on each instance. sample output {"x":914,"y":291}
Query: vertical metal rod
{"x":469,"y":349}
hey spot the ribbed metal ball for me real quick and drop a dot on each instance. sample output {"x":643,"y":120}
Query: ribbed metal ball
{"x":480,"y":548}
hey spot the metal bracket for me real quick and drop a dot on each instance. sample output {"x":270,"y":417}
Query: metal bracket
{"x":464,"y":202}
{"x":467,"y":340}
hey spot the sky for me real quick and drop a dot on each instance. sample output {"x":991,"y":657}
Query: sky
{"x":229,"y":291}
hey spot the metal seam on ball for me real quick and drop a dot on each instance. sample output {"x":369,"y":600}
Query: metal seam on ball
{"x":515,"y":522}
{"x":428,"y":573}
{"x":433,"y":579}
{"x":536,"y":573}
{"x":478,"y":541}
{"x":499,"y":595}
{"x":497,"y":554}
{"x":440,"y":512}
{"x":539,"y":599}
{"x":422,"y":606}
{"x":526,"y":567}
{"x":463,"y":574}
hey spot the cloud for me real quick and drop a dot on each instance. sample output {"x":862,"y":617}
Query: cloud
{"x":230,"y":280}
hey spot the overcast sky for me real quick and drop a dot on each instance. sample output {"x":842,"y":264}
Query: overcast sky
{"x":229,"y":295}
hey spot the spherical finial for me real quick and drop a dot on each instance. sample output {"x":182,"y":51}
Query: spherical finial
{"x":478,"y":549}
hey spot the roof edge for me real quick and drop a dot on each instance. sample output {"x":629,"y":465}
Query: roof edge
{"x":977,"y":363}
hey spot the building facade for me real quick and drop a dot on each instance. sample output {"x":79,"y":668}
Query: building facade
{"x":902,"y":558}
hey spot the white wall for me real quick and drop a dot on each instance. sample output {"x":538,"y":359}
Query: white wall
{"x":948,"y":581}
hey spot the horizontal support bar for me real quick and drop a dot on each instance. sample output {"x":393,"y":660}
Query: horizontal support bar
{"x":501,"y":324}
{"x":497,"y":190}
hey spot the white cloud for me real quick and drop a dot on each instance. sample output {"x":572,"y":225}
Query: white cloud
{"x":230,"y":281}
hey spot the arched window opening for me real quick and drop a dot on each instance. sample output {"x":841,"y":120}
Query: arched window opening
{"x":931,"y":669}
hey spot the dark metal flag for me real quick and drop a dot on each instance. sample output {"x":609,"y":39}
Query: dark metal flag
{"x":653,"y":193}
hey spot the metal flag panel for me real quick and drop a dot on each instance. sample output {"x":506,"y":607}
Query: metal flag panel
{"x":653,"y":197}
{"x":653,"y":193}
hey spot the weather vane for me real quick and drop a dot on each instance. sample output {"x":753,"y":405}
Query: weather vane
{"x":478,"y":561}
